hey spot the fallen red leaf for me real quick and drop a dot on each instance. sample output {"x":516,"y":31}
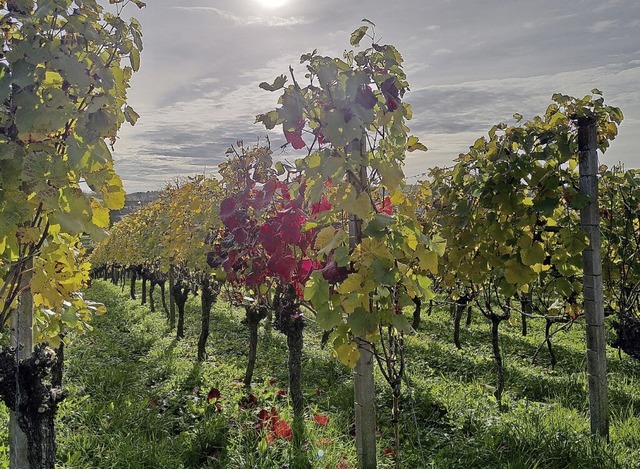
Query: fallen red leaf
{"x":248,"y":401}
{"x":282,"y":429}
{"x":214,"y":393}
{"x":263,"y":416}
{"x":321,"y":420}
{"x":270,"y":438}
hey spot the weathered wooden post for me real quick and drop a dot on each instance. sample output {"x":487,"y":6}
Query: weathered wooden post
{"x":364,"y":385}
{"x":22,"y":341}
{"x":592,"y":278}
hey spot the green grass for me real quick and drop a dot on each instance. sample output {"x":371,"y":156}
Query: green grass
{"x":138,"y":399}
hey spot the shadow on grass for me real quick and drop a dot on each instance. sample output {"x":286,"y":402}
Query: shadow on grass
{"x":327,"y":384}
{"x":144,"y":397}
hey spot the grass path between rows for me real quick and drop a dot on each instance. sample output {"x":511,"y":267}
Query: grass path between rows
{"x":138,"y":399}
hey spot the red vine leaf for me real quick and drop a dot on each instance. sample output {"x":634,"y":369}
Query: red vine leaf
{"x":214,"y":393}
{"x":294,"y":137}
{"x":321,"y":420}
{"x":282,"y":429}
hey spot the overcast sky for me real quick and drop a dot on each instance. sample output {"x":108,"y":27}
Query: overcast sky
{"x":470,"y":64}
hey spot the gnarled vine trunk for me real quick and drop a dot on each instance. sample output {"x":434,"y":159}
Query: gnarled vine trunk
{"x":497,"y":357}
{"x":180,"y":293}
{"x":24,"y":383}
{"x":144,"y":290}
{"x":289,"y":320}
{"x":132,"y":283}
{"x":460,"y":306}
{"x":527,"y":310}
{"x":415,"y":324}
{"x":253,"y":315}
{"x":628,"y":334}
{"x":209,"y":294}
{"x":295,"y":344}
{"x":163,"y":298}
{"x":152,"y":303}
{"x":172,"y":302}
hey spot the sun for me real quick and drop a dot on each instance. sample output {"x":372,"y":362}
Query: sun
{"x":273,"y":3}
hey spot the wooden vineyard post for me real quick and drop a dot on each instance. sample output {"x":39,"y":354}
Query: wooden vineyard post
{"x":592,"y":279}
{"x":364,"y":385}
{"x":22,"y":341}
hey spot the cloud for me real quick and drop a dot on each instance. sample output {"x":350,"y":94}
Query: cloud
{"x":603,"y":6}
{"x":197,"y":91}
{"x":238,"y":20}
{"x":448,"y":118}
{"x":442,"y":51}
{"x":189,"y":136}
{"x":602,"y":26}
{"x":192,"y":131}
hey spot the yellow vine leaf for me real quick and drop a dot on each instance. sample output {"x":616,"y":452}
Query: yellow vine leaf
{"x":348,"y":354}
{"x":353,"y":283}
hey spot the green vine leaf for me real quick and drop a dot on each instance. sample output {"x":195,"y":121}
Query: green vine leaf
{"x":277,"y":84}
{"x":63,"y":85}
{"x":414,"y":144}
{"x":357,"y":35}
{"x":130,"y":115}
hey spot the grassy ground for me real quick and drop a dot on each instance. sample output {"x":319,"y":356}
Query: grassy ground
{"x":139,"y":400}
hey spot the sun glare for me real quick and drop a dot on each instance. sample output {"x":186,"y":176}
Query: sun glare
{"x":273,"y":3}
